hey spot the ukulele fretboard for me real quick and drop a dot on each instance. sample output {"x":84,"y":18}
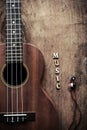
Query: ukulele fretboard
{"x":13,"y":31}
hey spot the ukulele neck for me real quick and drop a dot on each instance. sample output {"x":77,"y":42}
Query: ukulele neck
{"x":14,"y":51}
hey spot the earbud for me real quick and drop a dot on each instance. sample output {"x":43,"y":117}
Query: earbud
{"x":72,"y":84}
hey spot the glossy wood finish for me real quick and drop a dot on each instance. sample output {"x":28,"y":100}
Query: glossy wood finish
{"x":34,"y":97}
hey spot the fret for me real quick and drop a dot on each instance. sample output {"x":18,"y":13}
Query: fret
{"x":10,"y":35}
{"x":11,"y":41}
{"x":14,"y":44}
{"x":12,"y":51}
{"x":10,"y":2}
{"x":15,"y":54}
{"x":14,"y":57}
{"x":15,"y":29}
{"x":12,"y":13}
{"x":14,"y":48}
{"x":14,"y":26}
{"x":9,"y":21}
{"x":19,"y":38}
{"x":13,"y":21}
{"x":16,"y":11}
{"x":17,"y":48}
{"x":13,"y":8}
{"x":10,"y":48}
{"x":13,"y":4}
{"x":14,"y":41}
{"x":13,"y":1}
{"x":14,"y":32}
{"x":13,"y":16}
{"x":14,"y":36}
{"x":14,"y":61}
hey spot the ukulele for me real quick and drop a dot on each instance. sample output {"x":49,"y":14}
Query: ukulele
{"x":24,"y":104}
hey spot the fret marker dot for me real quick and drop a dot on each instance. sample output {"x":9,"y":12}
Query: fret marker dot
{"x":13,"y":45}
{"x":13,"y":5}
{"x":13,"y":32}
{"x":13,"y":22}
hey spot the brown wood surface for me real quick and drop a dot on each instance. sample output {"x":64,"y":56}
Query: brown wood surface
{"x":32,"y":95}
{"x":59,"y":26}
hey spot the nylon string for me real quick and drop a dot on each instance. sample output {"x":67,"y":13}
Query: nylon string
{"x":22,"y":100}
{"x":11,"y":58}
{"x":7,"y":63}
{"x":16,"y":64}
{"x":11,"y":65}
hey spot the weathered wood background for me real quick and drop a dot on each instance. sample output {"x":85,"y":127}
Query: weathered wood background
{"x":58,"y":26}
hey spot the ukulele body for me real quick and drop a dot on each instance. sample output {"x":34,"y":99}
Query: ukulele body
{"x":29,"y":97}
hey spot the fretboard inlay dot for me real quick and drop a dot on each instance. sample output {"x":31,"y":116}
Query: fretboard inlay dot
{"x":13,"y":22}
{"x":13,"y":45}
{"x":13,"y":5}
{"x":14,"y":50}
{"x":13,"y":32}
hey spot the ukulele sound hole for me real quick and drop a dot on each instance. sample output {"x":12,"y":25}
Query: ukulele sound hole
{"x":15,"y":74}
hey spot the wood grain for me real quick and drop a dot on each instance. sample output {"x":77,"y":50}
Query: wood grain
{"x":28,"y":98}
{"x":59,"y":26}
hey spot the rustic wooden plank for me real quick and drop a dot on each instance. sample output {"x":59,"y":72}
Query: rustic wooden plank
{"x":59,"y":26}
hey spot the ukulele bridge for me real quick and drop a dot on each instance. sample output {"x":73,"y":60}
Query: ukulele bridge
{"x":17,"y":117}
